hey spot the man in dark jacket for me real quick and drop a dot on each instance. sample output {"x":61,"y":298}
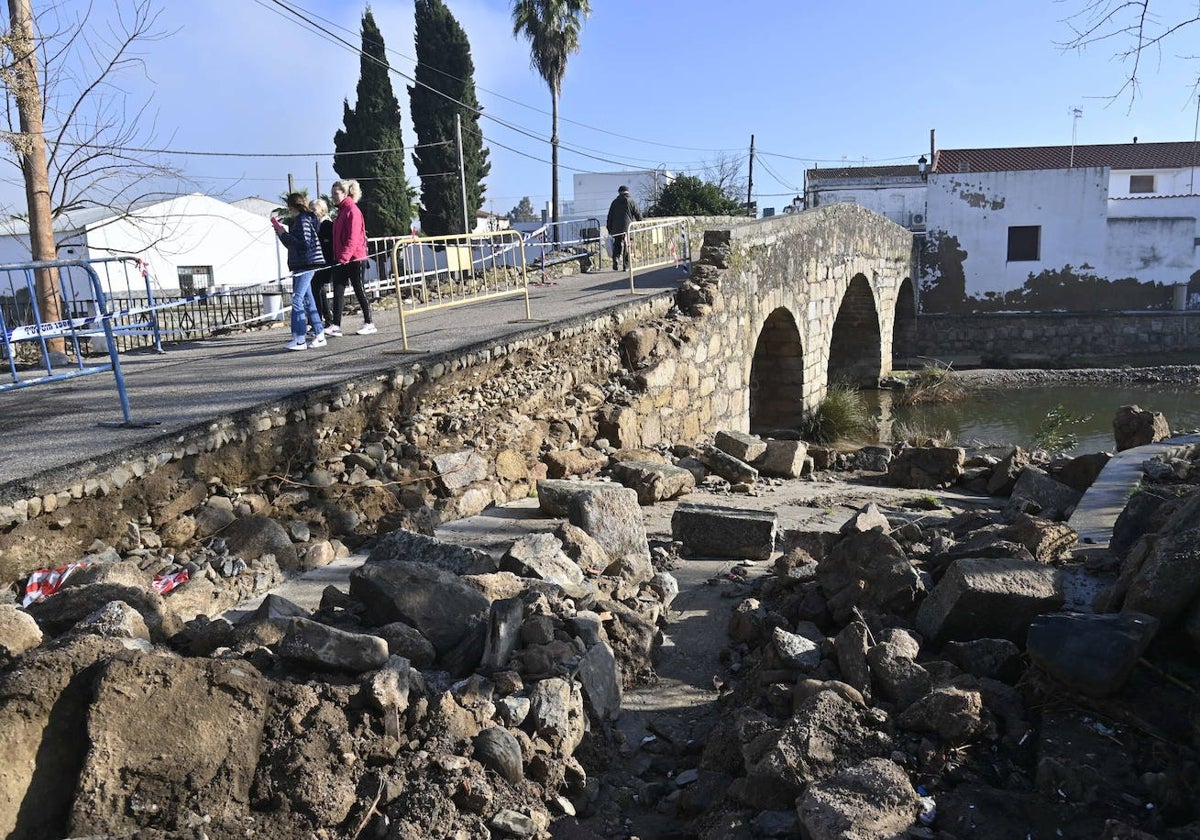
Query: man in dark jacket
{"x":621,"y":212}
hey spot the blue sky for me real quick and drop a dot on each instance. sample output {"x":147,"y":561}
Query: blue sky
{"x":674,"y":83}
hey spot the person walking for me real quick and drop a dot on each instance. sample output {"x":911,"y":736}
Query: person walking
{"x":621,"y":213}
{"x":304,"y":257}
{"x":323,"y":275}
{"x":349,"y":253}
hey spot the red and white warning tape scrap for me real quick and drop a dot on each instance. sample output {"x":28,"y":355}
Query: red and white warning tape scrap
{"x":45,"y":582}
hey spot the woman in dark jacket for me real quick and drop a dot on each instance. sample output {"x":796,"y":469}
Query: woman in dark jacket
{"x":304,"y":257}
{"x":324,"y":275}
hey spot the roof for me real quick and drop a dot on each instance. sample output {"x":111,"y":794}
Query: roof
{"x":74,"y":220}
{"x":859,"y":172}
{"x":1111,"y":155}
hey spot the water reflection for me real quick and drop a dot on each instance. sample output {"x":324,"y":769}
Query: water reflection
{"x":1013,"y":415}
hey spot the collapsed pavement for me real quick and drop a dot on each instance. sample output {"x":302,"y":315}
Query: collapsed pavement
{"x":879,"y":675}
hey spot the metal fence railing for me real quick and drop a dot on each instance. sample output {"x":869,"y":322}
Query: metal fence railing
{"x":60,"y":287}
{"x":440,"y":272}
{"x":655,"y":243}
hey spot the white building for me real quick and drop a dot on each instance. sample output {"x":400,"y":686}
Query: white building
{"x":1060,"y":227}
{"x":190,"y":243}
{"x":897,"y":192}
{"x":594,"y":191}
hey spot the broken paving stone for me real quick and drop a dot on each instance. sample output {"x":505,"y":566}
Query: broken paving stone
{"x":746,"y":448}
{"x":732,"y":469}
{"x":994,"y":597}
{"x":712,"y":531}
{"x":1093,"y":654}
{"x":654,"y":482}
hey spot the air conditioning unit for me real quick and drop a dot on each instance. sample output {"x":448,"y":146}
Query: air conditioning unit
{"x":918,"y":219}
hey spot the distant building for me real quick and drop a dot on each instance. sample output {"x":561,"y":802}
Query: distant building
{"x":897,"y":192}
{"x":594,"y":191}
{"x":1040,"y":228}
{"x":190,"y":243}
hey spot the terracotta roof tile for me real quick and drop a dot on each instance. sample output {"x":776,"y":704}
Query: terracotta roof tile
{"x":1114,"y":155}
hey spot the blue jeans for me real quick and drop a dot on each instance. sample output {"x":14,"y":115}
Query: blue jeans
{"x":304,"y":305}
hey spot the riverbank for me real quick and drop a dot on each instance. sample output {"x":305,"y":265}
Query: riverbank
{"x":997,"y":378}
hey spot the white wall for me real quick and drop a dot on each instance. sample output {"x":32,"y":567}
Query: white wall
{"x":594,"y":191}
{"x":1166,"y":181}
{"x":1070,"y":206}
{"x":195,"y":230}
{"x":898,"y":202}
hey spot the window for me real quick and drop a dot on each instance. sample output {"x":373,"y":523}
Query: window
{"x":194,"y":278}
{"x":1024,"y":243}
{"x":1141,"y":183}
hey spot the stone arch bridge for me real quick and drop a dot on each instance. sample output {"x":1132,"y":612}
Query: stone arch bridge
{"x":779,"y":309}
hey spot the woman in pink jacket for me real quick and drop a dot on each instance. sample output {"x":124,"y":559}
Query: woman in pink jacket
{"x":349,"y":254}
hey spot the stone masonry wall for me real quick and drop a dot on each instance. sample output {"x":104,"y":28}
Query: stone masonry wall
{"x":1055,"y":336}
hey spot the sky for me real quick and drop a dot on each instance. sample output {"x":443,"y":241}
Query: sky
{"x":672,"y":84}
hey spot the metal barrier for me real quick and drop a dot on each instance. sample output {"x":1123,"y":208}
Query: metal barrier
{"x":654,"y":243}
{"x":21,"y":321}
{"x":440,"y":272}
{"x":578,"y":239}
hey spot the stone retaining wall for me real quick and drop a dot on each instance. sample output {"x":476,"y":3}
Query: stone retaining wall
{"x":1054,"y":336}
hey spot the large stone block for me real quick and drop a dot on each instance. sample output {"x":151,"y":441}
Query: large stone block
{"x":711,"y":531}
{"x":989,"y":597}
{"x":784,"y":458}
{"x":555,"y":494}
{"x":744,"y":447}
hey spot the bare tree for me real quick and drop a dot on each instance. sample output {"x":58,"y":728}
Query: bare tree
{"x":98,"y":140}
{"x":1134,"y":31}
{"x":726,"y":172}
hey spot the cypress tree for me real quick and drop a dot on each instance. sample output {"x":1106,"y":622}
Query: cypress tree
{"x":445,"y":87}
{"x":374,"y":124}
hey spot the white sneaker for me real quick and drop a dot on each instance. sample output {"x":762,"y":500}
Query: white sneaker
{"x":333,"y":330}
{"x":367,"y":329}
{"x":297,"y":344}
{"x":318,"y":340}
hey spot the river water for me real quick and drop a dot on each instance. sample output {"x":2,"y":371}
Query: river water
{"x":1011,"y":415}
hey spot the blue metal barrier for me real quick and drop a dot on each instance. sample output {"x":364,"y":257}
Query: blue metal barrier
{"x":21,"y":321}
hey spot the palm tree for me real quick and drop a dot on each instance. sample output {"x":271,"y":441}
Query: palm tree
{"x":552,"y":27}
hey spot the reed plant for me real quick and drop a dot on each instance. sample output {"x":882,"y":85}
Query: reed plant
{"x":842,"y":415}
{"x":934,"y":383}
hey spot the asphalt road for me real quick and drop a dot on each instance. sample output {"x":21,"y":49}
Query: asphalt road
{"x":50,"y":435}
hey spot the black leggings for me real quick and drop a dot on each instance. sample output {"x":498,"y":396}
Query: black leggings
{"x":319,"y":282}
{"x":351,"y":272}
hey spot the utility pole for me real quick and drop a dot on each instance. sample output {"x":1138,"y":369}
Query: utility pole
{"x":291,"y":183}
{"x":750,"y":180}
{"x":462,"y":172}
{"x":30,"y":146}
{"x":317,"y":178}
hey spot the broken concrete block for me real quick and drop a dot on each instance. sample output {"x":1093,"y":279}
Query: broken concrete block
{"x":989,"y":597}
{"x":711,"y":531}
{"x":744,"y":447}
{"x":784,"y":458}
{"x":732,"y":469}
{"x":654,"y":482}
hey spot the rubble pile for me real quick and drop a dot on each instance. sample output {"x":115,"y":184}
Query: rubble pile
{"x":917,"y":673}
{"x":924,"y":675}
{"x":445,"y":695}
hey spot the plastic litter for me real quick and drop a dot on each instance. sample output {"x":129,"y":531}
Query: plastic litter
{"x":45,"y":582}
{"x":928,"y":810}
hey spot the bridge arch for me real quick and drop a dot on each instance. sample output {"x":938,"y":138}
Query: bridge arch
{"x":904,"y":327}
{"x":777,"y":374}
{"x":855,"y":345}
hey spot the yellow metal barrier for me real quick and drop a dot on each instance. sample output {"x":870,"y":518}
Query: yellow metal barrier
{"x":654,"y":243}
{"x":440,"y":272}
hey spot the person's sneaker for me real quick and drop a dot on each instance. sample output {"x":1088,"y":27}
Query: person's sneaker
{"x":334,"y":330}
{"x":318,"y":340}
{"x":367,"y":329}
{"x":615,"y":266}
{"x":297,"y":344}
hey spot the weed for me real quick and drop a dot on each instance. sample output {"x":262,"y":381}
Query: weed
{"x":1054,"y":433}
{"x":842,"y":414}
{"x":933,"y":383}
